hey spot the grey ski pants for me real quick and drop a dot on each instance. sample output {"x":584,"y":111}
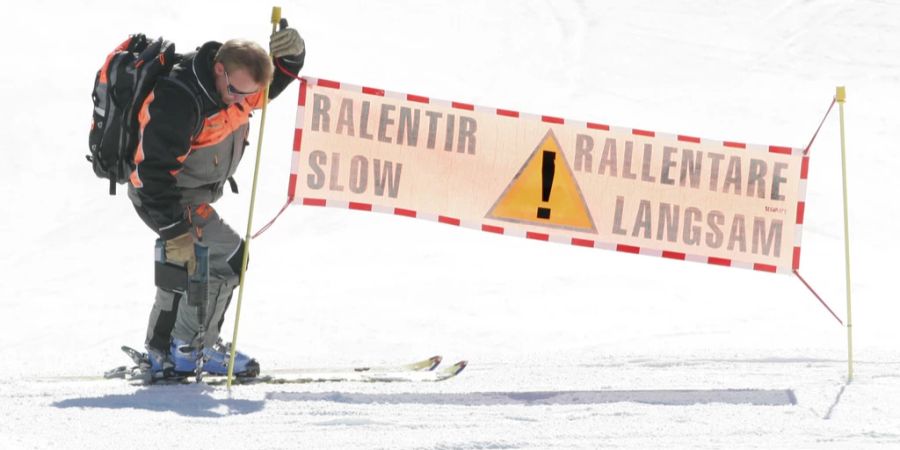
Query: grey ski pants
{"x":172,"y":316}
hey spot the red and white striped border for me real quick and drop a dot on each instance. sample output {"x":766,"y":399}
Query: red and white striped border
{"x":543,"y":235}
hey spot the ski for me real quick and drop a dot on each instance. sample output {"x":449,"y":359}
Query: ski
{"x":424,"y":365}
{"x":418,"y":371}
{"x":442,"y":374}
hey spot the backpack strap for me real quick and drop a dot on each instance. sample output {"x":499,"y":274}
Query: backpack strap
{"x":198,"y":127}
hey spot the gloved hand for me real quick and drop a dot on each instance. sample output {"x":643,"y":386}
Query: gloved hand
{"x":180,"y":250}
{"x":286,"y":42}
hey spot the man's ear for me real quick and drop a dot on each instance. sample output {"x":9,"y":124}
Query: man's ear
{"x":219,"y":68}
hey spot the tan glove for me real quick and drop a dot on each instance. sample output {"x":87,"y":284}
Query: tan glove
{"x":180,"y":250}
{"x":286,"y":42}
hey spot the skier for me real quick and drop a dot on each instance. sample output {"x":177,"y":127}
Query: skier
{"x":183,"y":161}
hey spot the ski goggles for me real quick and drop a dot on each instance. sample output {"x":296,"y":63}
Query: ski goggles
{"x":235,"y":91}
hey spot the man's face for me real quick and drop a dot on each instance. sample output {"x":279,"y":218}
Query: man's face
{"x":234,"y":85}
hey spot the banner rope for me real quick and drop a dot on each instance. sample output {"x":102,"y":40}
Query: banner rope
{"x":290,"y":199}
{"x":818,"y":297}
{"x":272,"y":222}
{"x":806,"y":151}
{"x":285,"y":71}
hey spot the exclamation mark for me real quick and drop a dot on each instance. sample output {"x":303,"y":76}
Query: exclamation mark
{"x":548,"y":169}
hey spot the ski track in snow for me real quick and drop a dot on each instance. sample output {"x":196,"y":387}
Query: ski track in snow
{"x":568,"y":347}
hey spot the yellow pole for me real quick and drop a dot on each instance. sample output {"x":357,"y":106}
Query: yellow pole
{"x":276,"y":17}
{"x":840,"y":97}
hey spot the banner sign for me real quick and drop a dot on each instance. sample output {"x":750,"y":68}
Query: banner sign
{"x":549,"y":178}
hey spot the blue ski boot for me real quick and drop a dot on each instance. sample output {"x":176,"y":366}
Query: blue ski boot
{"x":216,"y":359}
{"x":184,"y":356}
{"x":158,"y":365}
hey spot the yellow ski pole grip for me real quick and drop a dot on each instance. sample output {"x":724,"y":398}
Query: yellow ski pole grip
{"x":276,"y":15}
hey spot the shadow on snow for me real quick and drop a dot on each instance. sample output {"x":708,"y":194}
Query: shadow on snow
{"x":197,"y":402}
{"x":763,"y":397}
{"x":192,"y":401}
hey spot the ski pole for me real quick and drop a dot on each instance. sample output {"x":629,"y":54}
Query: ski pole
{"x":276,"y":17}
{"x":841,"y":97}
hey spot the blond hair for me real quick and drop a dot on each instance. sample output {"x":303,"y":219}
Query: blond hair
{"x":248,"y":55}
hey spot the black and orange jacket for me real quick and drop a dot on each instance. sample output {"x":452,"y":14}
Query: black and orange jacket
{"x":179,"y":163}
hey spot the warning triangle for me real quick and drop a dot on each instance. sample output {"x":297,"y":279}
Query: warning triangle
{"x":544,"y":192}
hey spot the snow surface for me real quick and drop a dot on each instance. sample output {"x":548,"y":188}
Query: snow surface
{"x":569,"y":347}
